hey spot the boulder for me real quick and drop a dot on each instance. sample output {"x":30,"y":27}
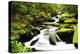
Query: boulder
{"x":71,"y":20}
{"x":66,"y":34}
{"x":35,"y":32}
{"x":65,"y":26}
{"x":29,"y":35}
{"x":26,"y":37}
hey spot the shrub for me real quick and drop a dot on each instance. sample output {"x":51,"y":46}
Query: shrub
{"x":17,"y":47}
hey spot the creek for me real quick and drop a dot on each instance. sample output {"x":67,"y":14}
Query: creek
{"x":42,"y":40}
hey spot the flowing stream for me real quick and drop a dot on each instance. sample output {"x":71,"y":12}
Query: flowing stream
{"x":42,"y":39}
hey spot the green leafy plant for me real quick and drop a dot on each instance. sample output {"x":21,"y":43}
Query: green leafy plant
{"x":17,"y":47}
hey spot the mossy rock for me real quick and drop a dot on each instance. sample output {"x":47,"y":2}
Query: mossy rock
{"x":61,"y":20}
{"x":65,"y":26}
{"x":65,"y":30}
{"x":35,"y":32}
{"x":21,"y":31}
{"x":50,"y":20}
{"x":66,"y":34}
{"x":56,"y":25}
{"x":28,"y":35}
{"x":73,"y":21}
{"x":65,"y":15}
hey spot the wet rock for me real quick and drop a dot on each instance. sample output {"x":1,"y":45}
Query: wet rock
{"x":51,"y":20}
{"x":35,"y":31}
{"x":25,"y":37}
{"x":29,"y":35}
{"x":66,"y":35}
{"x":61,"y":21}
{"x":32,"y":43}
{"x":29,"y":27}
{"x":76,"y":45}
{"x":65,"y":26}
{"x":39,"y":19}
{"x":51,"y":42}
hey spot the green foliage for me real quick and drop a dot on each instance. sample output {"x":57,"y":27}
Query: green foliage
{"x":29,"y":18}
{"x":18,"y":7}
{"x":69,"y":8}
{"x":18,"y":27}
{"x":17,"y":47}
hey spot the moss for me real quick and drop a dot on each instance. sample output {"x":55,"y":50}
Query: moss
{"x":66,"y":34}
{"x":65,"y":30}
{"x":70,"y":21}
{"x":64,"y":25}
{"x":75,"y":36}
{"x":56,"y":25}
{"x":65,"y":15}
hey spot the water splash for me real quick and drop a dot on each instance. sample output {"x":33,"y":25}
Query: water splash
{"x":43,"y":42}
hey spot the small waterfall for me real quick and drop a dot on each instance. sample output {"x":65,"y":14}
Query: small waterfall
{"x":53,"y":34}
{"x":56,"y":19}
{"x":53,"y":18}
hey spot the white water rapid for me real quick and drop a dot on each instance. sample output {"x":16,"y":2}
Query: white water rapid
{"x":43,"y":42}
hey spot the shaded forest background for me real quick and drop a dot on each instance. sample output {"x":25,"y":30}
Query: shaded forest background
{"x":26,"y":16}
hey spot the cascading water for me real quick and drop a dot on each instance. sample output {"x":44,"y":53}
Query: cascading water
{"x":43,"y":42}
